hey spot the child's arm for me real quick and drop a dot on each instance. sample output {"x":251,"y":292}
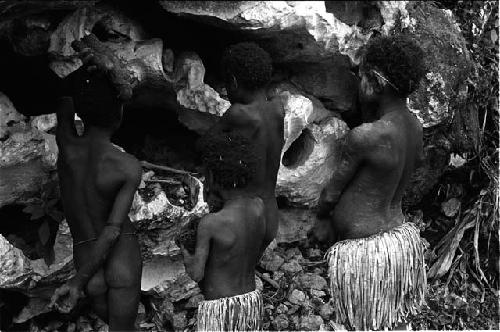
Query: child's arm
{"x":195,"y":264}
{"x":65,"y":112}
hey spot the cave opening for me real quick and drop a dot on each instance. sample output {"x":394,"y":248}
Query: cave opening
{"x":299,"y":150}
{"x":157,"y":136}
{"x":34,"y":237}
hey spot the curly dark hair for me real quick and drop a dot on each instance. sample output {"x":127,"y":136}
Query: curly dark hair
{"x":230,"y":157}
{"x":96,"y":100}
{"x":250,"y":64}
{"x":399,"y":58}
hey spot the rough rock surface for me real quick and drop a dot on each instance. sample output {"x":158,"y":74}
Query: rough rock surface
{"x":27,"y":155}
{"x":313,"y":45}
{"x":159,"y":221}
{"x":302,"y":180}
{"x":34,"y":278}
{"x":449,"y":63}
{"x":291,"y":31}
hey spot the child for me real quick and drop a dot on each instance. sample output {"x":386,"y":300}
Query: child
{"x":228,"y":242}
{"x":98,"y":182}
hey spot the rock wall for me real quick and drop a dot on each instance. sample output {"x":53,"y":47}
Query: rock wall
{"x":314,"y":46}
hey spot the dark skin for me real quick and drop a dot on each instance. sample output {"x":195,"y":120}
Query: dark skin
{"x":228,"y":246}
{"x":376,"y":161}
{"x":261,"y":121}
{"x":98,"y":183}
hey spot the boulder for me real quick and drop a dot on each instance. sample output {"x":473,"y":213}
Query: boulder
{"x":34,"y":278}
{"x":291,"y":31}
{"x":444,"y":86}
{"x":159,"y":218}
{"x":312,"y":159}
{"x":192,"y":92}
{"x":310,"y":322}
{"x":27,"y":155}
{"x":310,"y":281}
{"x":308,"y":155}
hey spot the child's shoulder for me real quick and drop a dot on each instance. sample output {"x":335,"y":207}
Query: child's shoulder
{"x":125,"y":163}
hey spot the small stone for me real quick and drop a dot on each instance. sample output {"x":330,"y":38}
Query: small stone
{"x":326,"y":311}
{"x":179,"y":321}
{"x":278,"y":275}
{"x":293,"y":253}
{"x":272,"y":263}
{"x":312,"y":281}
{"x":293,"y":309}
{"x":71,"y":327}
{"x":83,"y":325}
{"x":194,"y":301}
{"x":314,"y":253}
{"x":280,"y":322}
{"x":291,"y":267}
{"x":297,"y":297}
{"x":310,"y":322}
{"x":450,"y":208}
{"x":282,"y":308}
{"x":317,"y":293}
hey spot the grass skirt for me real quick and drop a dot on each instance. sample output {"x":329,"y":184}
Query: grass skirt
{"x":236,"y":313}
{"x":376,"y":282}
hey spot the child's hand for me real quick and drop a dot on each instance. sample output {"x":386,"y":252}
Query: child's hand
{"x":66,"y":297}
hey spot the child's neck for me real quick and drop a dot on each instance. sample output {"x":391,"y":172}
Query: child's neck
{"x":98,"y":133}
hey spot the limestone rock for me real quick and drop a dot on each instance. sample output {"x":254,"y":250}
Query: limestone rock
{"x":291,"y":31}
{"x":158,"y":221}
{"x":280,"y":322}
{"x":27,"y":156}
{"x":297,"y":297}
{"x":77,"y":25}
{"x":310,"y":322}
{"x":271,"y":261}
{"x":15,"y":268}
{"x":444,"y":85}
{"x":193,"y":93}
{"x":326,"y":311}
{"x":331,"y":81}
{"x":10,"y":119}
{"x":291,"y":267}
{"x":44,"y":122}
{"x":312,"y":281}
{"x":313,"y":162}
{"x":308,"y":153}
{"x":294,"y":225}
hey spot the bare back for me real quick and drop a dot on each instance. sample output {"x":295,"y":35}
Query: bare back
{"x":90,"y":176}
{"x":388,"y":151}
{"x":262,"y":124}
{"x":236,"y":236}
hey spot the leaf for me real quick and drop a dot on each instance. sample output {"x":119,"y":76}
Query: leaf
{"x":37,"y":213}
{"x":56,"y":215}
{"x":44,"y":233}
{"x":52,"y":202}
{"x":494,"y":36}
{"x":29,"y":209}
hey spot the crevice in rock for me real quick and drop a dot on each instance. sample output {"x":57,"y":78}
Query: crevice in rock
{"x":299,"y":150}
{"x":364,"y":14}
{"x":24,"y":233}
{"x":157,"y":136}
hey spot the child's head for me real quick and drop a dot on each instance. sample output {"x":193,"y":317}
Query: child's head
{"x":396,"y":61}
{"x":245,"y":66}
{"x":95,"y":99}
{"x":230,"y":159}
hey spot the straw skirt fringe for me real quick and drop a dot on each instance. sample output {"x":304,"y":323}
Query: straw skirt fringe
{"x":237,"y":313}
{"x":376,"y":282}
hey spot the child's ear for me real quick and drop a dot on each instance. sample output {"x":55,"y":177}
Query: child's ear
{"x":378,"y":84}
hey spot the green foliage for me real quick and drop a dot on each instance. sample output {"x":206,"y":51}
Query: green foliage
{"x":46,"y":207}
